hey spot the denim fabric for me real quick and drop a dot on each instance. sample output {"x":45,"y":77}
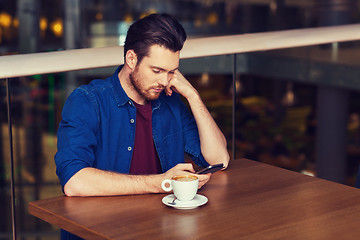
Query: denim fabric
{"x":64,"y":235}
{"x":98,"y":130}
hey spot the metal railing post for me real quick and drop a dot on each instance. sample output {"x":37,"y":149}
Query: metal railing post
{"x":12,"y":181}
{"x":234,"y":110}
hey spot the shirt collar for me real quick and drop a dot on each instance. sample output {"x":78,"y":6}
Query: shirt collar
{"x":120,"y":96}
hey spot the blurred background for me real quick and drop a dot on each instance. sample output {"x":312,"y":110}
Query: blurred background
{"x":296,"y":108}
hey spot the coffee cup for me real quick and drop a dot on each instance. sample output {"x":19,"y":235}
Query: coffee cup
{"x":184,"y":186}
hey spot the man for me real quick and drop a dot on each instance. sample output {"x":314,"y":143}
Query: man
{"x":129,"y":132}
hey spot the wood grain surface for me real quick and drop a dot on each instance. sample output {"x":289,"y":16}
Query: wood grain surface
{"x":249,"y":200}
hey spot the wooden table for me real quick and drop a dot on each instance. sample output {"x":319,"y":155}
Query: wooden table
{"x":250,"y":200}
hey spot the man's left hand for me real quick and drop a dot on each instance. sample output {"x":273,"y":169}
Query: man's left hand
{"x":181,"y":85}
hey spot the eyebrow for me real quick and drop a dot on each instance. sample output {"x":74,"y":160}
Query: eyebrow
{"x":162,"y":69}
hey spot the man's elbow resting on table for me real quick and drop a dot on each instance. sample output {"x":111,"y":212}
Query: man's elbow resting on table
{"x":71,"y":189}
{"x":75,"y":186}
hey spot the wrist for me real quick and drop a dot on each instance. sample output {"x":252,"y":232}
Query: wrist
{"x":194,"y":96}
{"x":156,"y":183}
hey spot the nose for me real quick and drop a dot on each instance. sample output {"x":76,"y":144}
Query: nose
{"x":163,"y":80}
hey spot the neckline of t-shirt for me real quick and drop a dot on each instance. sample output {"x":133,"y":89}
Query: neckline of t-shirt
{"x":143,"y":108}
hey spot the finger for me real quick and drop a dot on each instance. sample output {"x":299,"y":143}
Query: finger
{"x":174,"y":89}
{"x":203,"y":179}
{"x":168,"y":90}
{"x":185,"y":167}
{"x":202,"y":183}
{"x":177,"y":72}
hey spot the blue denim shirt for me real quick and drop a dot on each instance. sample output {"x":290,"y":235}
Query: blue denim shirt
{"x":98,"y":130}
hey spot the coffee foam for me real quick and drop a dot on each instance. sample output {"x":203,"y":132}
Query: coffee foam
{"x":185,"y":178}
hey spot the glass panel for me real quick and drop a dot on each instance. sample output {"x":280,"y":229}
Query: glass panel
{"x":34,"y":102}
{"x":5,"y":200}
{"x":278,"y":106}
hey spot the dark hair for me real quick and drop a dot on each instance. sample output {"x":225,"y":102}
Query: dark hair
{"x":160,"y":29}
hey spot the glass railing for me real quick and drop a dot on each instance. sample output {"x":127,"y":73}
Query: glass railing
{"x":260,"y":89}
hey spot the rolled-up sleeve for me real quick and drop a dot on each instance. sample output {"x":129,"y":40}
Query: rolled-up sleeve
{"x":76,"y":137}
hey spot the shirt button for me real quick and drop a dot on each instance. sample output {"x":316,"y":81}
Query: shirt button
{"x":129,"y":148}
{"x":129,"y":103}
{"x":132,"y":120}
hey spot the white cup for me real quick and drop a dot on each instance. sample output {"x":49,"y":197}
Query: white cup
{"x":184,"y":187}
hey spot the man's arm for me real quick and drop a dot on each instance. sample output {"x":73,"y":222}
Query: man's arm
{"x":95,"y":182}
{"x":212,"y":141}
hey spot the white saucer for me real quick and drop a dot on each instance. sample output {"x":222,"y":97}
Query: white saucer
{"x":198,"y":201}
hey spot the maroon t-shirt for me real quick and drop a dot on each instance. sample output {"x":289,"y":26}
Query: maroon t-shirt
{"x":144,"y":159}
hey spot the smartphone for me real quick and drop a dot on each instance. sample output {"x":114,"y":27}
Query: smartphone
{"x":211,"y":169}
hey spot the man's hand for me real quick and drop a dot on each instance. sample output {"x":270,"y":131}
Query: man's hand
{"x":186,"y":169}
{"x":181,"y":85}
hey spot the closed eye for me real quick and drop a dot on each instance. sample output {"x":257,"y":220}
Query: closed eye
{"x":156,"y":70}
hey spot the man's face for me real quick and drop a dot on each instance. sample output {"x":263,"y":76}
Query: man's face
{"x":152,"y":74}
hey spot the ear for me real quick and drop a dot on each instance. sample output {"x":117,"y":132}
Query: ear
{"x":131,"y":59}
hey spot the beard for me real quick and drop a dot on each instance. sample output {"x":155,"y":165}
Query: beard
{"x":139,"y":87}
